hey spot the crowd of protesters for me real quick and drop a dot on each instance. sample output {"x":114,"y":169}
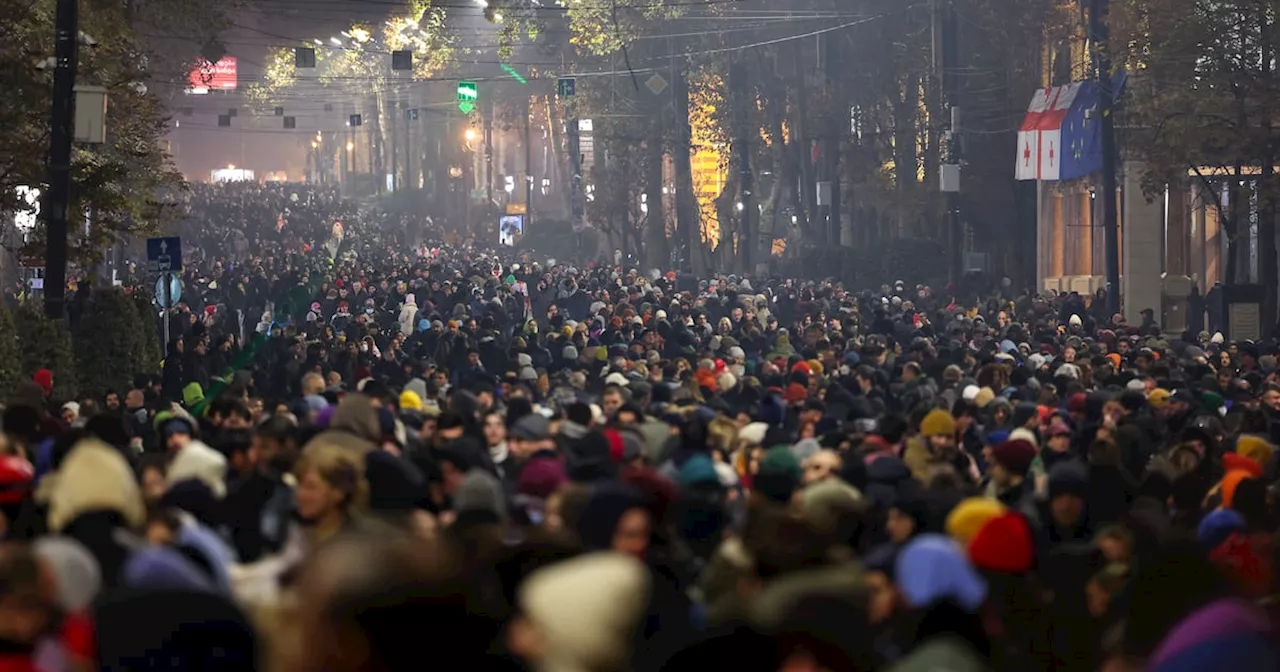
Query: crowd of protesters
{"x":371,"y":450}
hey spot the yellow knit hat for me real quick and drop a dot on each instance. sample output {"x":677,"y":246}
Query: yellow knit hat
{"x":938,"y":423}
{"x":1159,"y":398}
{"x":985,"y":396}
{"x":410,"y":401}
{"x":1255,"y":448}
{"x":964,"y":521}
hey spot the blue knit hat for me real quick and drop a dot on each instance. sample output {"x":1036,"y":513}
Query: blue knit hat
{"x":932,"y":568}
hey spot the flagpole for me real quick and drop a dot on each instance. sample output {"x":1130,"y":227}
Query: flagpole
{"x":1110,"y":215}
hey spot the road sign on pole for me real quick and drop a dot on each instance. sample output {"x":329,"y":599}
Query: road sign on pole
{"x":468,"y":94}
{"x":168,"y":290}
{"x":164,"y":255}
{"x":566,"y":87}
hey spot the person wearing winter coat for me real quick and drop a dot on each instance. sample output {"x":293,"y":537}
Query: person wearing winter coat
{"x":408,"y":314}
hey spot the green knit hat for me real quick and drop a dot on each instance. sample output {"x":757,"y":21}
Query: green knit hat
{"x":192,"y":394}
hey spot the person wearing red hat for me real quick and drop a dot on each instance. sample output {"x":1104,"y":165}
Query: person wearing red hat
{"x":1010,"y":461}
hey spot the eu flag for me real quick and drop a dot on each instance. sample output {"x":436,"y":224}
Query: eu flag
{"x":1082,"y":130}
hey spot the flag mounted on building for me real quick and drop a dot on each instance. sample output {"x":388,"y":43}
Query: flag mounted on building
{"x":1028,"y":165}
{"x":1061,"y":136}
{"x":1040,"y":136}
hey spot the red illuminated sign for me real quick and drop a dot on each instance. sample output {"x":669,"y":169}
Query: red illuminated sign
{"x":220,"y":75}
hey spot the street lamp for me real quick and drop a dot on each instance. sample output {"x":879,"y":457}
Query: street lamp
{"x":314,"y":144}
{"x":470,"y":135}
{"x":351,"y":146}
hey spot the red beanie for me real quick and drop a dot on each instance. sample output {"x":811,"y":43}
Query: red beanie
{"x":1004,"y":545}
{"x":1016,"y":455}
{"x":796,"y":393}
{"x":44,"y":378}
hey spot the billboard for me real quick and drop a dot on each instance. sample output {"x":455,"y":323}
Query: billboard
{"x":231,"y":175}
{"x":219,"y":76}
{"x":510,"y":229}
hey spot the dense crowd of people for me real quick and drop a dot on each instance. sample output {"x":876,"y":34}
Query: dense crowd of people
{"x":369,"y":447}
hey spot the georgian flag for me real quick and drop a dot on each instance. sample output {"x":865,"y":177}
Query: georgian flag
{"x":1028,"y":165}
{"x":1040,"y":136}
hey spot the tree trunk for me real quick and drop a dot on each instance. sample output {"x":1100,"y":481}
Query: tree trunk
{"x":655,"y":226}
{"x":801,"y":151}
{"x":561,"y":172}
{"x":904,"y":151}
{"x":769,"y":214}
{"x":688,"y":227}
{"x":1267,"y":199}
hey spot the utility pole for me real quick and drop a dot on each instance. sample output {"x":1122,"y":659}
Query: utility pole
{"x":395,"y":140}
{"x":528,"y":165}
{"x":488,"y":152}
{"x":57,"y":206}
{"x":1098,"y":34}
{"x":948,"y":39}
{"x":742,"y":147}
{"x":831,"y":149}
{"x":576,"y":206}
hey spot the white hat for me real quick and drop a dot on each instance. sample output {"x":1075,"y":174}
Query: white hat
{"x":591,"y":628}
{"x":970,"y":392}
{"x":616,"y":378}
{"x":1075,"y":321}
{"x":1067,"y":370}
{"x":1026,"y":435}
{"x":753,"y":433}
{"x":1218,"y":338}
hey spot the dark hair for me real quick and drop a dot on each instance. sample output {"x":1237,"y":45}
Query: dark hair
{"x":579,"y":413}
{"x":633,"y":408}
{"x":226,"y":406}
{"x":108,"y":428}
{"x":277,"y":427}
{"x":232,"y":441}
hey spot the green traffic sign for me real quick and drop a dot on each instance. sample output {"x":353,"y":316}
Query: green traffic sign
{"x":466,"y":106}
{"x":467,"y":91}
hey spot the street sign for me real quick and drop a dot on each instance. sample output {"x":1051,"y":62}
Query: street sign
{"x":566,"y":87}
{"x":164,"y":254}
{"x":656,"y":83}
{"x":467,"y":91}
{"x":468,"y":94}
{"x":175,"y":291}
{"x":304,"y":57}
